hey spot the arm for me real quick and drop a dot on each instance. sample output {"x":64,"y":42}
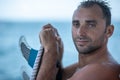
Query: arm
{"x":48,"y":69}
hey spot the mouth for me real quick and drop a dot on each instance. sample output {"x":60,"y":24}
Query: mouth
{"x":81,"y":42}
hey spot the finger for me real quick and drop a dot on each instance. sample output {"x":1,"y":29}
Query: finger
{"x":47,"y":26}
{"x":56,"y":32}
{"x":59,"y":40}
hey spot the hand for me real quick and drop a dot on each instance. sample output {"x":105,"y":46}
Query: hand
{"x":60,"y":45}
{"x":48,"y":38}
{"x":48,"y":68}
{"x":51,"y":41}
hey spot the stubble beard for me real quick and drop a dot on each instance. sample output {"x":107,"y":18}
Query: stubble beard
{"x":90,"y":48}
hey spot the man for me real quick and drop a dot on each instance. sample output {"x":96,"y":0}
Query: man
{"x":91,"y":29}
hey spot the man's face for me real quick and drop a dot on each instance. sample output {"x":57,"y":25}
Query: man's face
{"x":88,"y":29}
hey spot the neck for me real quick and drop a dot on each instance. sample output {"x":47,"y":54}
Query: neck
{"x":98,"y":56}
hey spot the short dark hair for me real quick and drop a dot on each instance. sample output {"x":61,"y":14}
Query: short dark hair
{"x":102,"y":4}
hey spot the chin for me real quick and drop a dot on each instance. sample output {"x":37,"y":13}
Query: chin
{"x":83,"y":51}
{"x":88,"y":50}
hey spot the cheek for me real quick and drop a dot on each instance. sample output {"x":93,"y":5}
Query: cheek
{"x":92,"y":35}
{"x":74,"y":33}
{"x":98,"y":38}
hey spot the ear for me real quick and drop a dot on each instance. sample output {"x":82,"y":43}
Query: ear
{"x":109,"y":30}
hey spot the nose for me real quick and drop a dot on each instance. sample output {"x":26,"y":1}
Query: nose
{"x":81,"y":31}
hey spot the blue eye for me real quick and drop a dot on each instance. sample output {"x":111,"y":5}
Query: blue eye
{"x":91,"y":25}
{"x":76,"y":24}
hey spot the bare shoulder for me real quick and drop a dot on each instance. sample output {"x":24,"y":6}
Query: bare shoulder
{"x":105,"y":71}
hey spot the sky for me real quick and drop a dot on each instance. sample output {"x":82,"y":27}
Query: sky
{"x":45,"y":9}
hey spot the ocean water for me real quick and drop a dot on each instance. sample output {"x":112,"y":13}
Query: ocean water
{"x":11,"y":60}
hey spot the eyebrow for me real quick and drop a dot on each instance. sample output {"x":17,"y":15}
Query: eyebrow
{"x":75,"y":21}
{"x":87,"y":21}
{"x":91,"y":21}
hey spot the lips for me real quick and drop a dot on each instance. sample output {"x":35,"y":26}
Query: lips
{"x":81,"y":42}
